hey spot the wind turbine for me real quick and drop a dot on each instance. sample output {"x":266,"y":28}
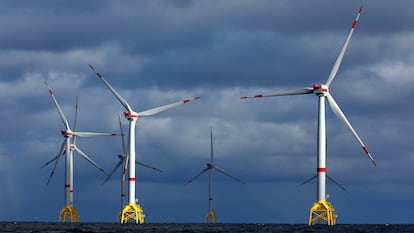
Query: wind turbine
{"x":211,"y":216}
{"x":133,"y":211}
{"x":68,"y":213}
{"x":321,"y":209}
{"x":123,"y":161}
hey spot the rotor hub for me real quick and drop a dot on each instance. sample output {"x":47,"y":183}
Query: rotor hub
{"x":131,"y":116}
{"x":66,"y":133}
{"x":320,"y":89}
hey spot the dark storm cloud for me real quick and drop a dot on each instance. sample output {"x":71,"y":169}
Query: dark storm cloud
{"x":208,"y":34}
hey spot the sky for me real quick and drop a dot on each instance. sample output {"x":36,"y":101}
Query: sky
{"x":159,"y":52}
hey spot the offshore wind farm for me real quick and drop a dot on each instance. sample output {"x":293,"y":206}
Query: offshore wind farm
{"x":149,"y":54}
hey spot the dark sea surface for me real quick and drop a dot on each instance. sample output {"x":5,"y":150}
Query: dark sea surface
{"x":197,"y":227}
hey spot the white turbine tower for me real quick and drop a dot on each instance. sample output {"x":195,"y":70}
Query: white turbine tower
{"x":211,"y":216}
{"x":123,"y":163}
{"x":321,"y":209}
{"x":68,"y":213}
{"x":133,"y":211}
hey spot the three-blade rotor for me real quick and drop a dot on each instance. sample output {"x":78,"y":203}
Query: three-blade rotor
{"x":211,"y":165}
{"x":323,"y":89}
{"x":68,"y":134}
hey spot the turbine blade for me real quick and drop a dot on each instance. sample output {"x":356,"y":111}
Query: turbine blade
{"x":122,"y":135}
{"x":301,"y":91}
{"x":112,"y":172}
{"x":90,"y":160}
{"x":53,"y":171}
{"x":91,"y":134}
{"x":308,"y":180}
{"x":227,"y":174}
{"x":116,"y":94}
{"x":199,"y":174}
{"x":335,"y":182}
{"x":124,"y":169}
{"x":50,"y":161}
{"x":341,"y":116}
{"x":61,"y":151}
{"x":55,"y":165}
{"x":125,"y":166}
{"x":148,"y":166}
{"x":338,"y":61}
{"x":62,"y":116}
{"x":165,"y":107}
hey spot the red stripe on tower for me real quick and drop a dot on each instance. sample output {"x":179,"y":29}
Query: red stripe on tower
{"x":321,"y":169}
{"x":131,"y":179}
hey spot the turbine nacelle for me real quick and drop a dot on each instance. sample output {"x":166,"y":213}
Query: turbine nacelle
{"x":66,"y":133}
{"x":121,"y":156}
{"x":131,"y":116}
{"x":320,"y":89}
{"x":210,"y":165}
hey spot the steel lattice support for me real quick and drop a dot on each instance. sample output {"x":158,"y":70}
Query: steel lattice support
{"x":211,"y":217}
{"x":68,"y":214}
{"x":132,"y":212}
{"x":322,"y":211}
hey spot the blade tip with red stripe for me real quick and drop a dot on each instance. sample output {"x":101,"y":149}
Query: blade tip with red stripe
{"x":369,"y":155}
{"x":97,"y":73}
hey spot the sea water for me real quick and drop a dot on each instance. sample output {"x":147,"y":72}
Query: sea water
{"x":198,"y":227}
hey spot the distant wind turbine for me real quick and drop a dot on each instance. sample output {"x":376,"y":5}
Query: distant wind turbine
{"x":133,"y":211}
{"x":68,"y":213}
{"x":211,"y":215}
{"x":321,"y":209}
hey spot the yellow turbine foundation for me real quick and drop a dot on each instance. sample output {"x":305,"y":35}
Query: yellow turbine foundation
{"x":132,"y":212}
{"x":68,"y":214}
{"x":211,"y":217}
{"x":322,"y":211}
